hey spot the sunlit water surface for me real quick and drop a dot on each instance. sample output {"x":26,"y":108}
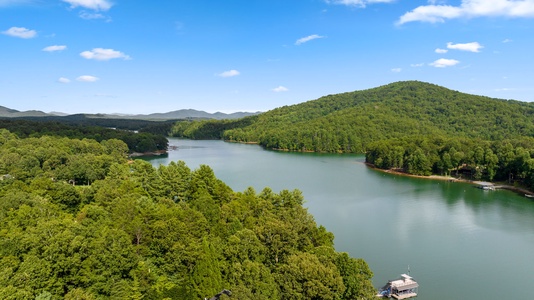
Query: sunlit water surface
{"x":458,"y":241}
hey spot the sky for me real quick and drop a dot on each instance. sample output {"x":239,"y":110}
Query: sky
{"x":141,"y":57}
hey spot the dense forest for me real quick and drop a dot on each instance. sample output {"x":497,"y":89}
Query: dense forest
{"x":80,"y":221}
{"x":162,"y":127}
{"x":140,"y":136}
{"x":413,"y":126}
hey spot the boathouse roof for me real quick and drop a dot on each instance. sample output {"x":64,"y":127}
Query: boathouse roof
{"x":405,"y":283}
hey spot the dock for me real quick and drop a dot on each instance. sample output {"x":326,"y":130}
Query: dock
{"x":488,"y":186}
{"x":403,"y":288}
{"x":404,"y":296}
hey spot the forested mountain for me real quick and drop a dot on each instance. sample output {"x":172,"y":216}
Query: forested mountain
{"x":140,"y":136}
{"x":407,"y":115}
{"x":348,"y":122}
{"x":77,"y":221}
{"x":7,"y":112}
{"x":147,"y":126}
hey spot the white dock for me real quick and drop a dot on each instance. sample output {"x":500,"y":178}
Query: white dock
{"x":404,"y":296}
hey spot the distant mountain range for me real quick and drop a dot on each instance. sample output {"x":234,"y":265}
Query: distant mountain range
{"x":173,"y":115}
{"x":11,"y":113}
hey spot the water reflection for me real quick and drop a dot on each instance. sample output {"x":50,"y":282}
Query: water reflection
{"x":500,"y":209}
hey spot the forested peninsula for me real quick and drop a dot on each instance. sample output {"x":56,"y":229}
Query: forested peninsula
{"x":139,"y":135}
{"x":413,"y":127}
{"x":78,"y":220}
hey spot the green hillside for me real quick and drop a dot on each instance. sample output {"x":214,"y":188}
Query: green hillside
{"x":411,"y":116}
{"x":348,"y":122}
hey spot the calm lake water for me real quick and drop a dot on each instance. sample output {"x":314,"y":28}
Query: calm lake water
{"x":458,"y":241}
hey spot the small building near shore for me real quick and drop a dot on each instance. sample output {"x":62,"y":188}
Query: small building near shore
{"x":485,"y":185}
{"x":403,"y":288}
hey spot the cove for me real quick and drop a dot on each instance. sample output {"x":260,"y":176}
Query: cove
{"x":459,"y":242}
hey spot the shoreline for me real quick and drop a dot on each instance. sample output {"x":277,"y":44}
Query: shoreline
{"x":146,"y":154}
{"x":519,"y":190}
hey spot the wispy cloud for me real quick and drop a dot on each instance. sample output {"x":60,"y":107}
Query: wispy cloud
{"x":471,"y":47}
{"x":91,"y":16}
{"x":63,"y":80}
{"x":230,"y":73}
{"x":504,"y":90}
{"x":87,"y":78}
{"x":360,"y":3}
{"x":441,"y":51}
{"x":396,"y":70}
{"x":105,"y":96}
{"x":104,"y":54}
{"x":444,"y":62}
{"x":417,"y":65}
{"x":20,"y":32}
{"x":470,"y":9}
{"x":5,"y":3}
{"x":308,"y":38}
{"x":55,"y":48}
{"x":507,"y":41}
{"x":98,"y":5}
{"x":280,"y":89}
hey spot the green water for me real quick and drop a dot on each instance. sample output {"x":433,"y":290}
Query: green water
{"x":458,"y":241}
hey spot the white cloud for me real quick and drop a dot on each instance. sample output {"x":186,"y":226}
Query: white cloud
{"x":87,"y":78}
{"x":360,"y":3}
{"x":441,"y":51}
{"x":230,"y":73}
{"x":99,"y":5}
{"x":63,"y":80}
{"x":417,"y":65}
{"x":280,"y":89}
{"x":507,"y":41}
{"x":444,"y":62}
{"x":103,"y":54}
{"x":308,"y":38}
{"x":396,"y":70}
{"x":470,"y":9}
{"x":471,"y":47}
{"x":55,"y":48}
{"x":20,"y":32}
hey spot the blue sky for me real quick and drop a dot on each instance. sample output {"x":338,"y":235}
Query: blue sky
{"x":137,"y":57}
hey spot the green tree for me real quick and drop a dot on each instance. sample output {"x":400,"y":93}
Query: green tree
{"x":306,"y":277}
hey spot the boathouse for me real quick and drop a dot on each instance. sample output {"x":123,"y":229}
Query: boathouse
{"x":485,"y":185}
{"x":403,"y":288}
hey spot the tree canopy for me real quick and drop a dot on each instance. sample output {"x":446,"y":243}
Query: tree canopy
{"x":139,"y":136}
{"x":78,"y":221}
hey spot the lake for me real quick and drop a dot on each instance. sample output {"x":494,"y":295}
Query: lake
{"x":459,"y":242}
